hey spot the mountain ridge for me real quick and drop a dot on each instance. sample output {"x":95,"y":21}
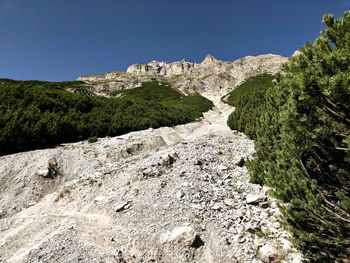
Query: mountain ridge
{"x":211,"y":77}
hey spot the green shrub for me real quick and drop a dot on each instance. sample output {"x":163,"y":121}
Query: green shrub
{"x":248,"y":99}
{"x":303,"y":144}
{"x":37,"y":114}
{"x":92,"y":139}
{"x":247,"y":112}
{"x":250,"y":87}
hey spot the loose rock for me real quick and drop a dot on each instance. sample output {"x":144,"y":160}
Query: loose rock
{"x":184,"y":235}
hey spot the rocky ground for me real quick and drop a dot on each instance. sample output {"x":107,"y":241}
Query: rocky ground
{"x":177,"y":194}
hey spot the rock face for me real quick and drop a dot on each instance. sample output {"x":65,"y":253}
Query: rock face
{"x":211,"y":78}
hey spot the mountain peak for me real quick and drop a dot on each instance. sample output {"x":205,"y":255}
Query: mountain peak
{"x":208,"y":59}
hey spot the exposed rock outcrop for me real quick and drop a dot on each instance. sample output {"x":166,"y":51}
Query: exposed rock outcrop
{"x":211,"y":78}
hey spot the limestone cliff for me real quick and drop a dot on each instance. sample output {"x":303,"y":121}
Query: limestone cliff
{"x":212,"y":77}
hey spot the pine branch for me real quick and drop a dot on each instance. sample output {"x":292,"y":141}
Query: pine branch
{"x":342,"y":149}
{"x":327,"y":201}
{"x":335,"y":106}
{"x":336,"y":114}
{"x":334,"y":213}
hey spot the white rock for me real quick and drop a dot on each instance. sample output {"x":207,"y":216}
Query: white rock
{"x":30,"y":204}
{"x":99,"y":198}
{"x":296,"y":53}
{"x":296,"y":258}
{"x":237,"y":214}
{"x":44,"y":172}
{"x":184,"y":235}
{"x":286,"y":244}
{"x":121,"y":206}
{"x":241,"y":239}
{"x":254,"y":198}
{"x":267,"y":252}
{"x":229,"y":202}
{"x":179,"y":194}
{"x":216,"y":206}
{"x":222,"y":167}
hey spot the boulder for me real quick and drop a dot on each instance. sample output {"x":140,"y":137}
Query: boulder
{"x":254,"y":199}
{"x":267,"y":253}
{"x":184,"y":235}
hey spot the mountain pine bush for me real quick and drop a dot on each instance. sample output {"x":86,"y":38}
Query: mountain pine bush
{"x":38,"y":114}
{"x":303,"y":144}
{"x":248,"y":99}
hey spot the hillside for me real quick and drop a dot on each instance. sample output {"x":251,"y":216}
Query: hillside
{"x":37,"y":114}
{"x":171,"y":194}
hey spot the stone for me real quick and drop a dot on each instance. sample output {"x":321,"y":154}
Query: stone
{"x":43,"y":172}
{"x":50,"y":171}
{"x":254,"y":199}
{"x":240,"y":229}
{"x":286,"y":244}
{"x":179,"y":194}
{"x":31,"y":204}
{"x":267,"y":253}
{"x":99,"y":198}
{"x":222,"y":167}
{"x":296,"y":53}
{"x":216,"y":206}
{"x":198,"y":162}
{"x":272,"y":204}
{"x":248,"y":214}
{"x":241,"y":239}
{"x":237,"y":214}
{"x":121,"y":206}
{"x":241,"y":162}
{"x":264,"y":205}
{"x":168,"y":159}
{"x":229,"y":202}
{"x":184,"y":235}
{"x":2,"y":213}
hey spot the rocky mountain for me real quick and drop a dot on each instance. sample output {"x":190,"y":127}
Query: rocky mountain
{"x":173,"y":194}
{"x":211,"y":78}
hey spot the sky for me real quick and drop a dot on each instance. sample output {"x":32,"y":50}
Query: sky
{"x":60,"y":40}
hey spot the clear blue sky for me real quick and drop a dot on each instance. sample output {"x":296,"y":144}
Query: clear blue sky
{"x":62,"y":39}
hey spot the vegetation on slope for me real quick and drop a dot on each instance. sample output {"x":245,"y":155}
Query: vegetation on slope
{"x":250,"y":87}
{"x":194,"y":104}
{"x":248,"y":99}
{"x":36,"y":114}
{"x":302,"y":138}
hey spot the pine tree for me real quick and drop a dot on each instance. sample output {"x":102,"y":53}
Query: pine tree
{"x":303,"y":144}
